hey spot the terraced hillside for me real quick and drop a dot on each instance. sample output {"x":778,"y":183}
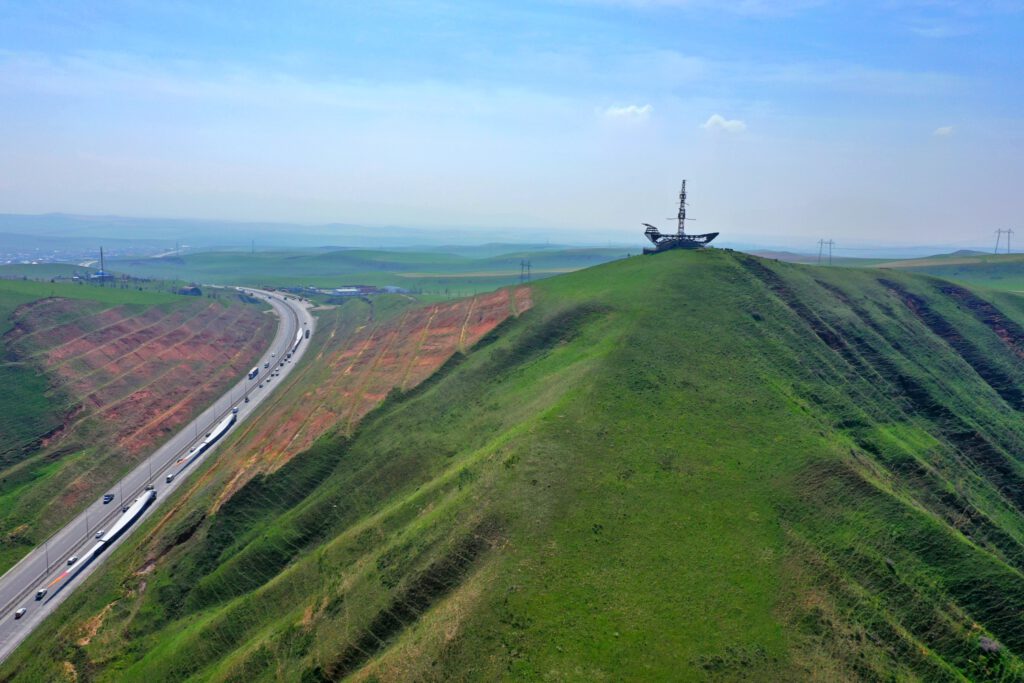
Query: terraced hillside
{"x":363,"y":360}
{"x":687,"y":466}
{"x":109,"y":381}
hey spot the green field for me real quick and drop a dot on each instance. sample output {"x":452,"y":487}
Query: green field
{"x":997,"y":271}
{"x":432,"y":273}
{"x":691,"y":466}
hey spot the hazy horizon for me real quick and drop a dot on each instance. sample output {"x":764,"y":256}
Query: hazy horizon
{"x":894,"y":122}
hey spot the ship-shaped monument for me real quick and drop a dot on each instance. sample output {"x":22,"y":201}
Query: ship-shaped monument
{"x":680,"y":240}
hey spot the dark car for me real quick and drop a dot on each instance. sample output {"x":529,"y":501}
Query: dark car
{"x":107,"y":498}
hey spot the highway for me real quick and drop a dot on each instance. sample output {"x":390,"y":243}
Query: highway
{"x":44,"y":565}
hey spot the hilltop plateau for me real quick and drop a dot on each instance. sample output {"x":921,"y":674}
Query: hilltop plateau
{"x":693,"y":465}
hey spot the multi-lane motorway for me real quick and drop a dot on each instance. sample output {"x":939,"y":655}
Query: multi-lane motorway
{"x":44,"y":566}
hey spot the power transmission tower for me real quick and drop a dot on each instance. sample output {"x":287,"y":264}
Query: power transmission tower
{"x":822,"y":243}
{"x":999,"y":235}
{"x":524,"y":271}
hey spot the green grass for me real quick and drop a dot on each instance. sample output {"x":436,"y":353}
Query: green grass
{"x":996,"y":271}
{"x":428,"y":272}
{"x":691,"y":466}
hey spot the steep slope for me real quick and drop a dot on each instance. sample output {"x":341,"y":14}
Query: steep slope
{"x":98,"y":381}
{"x":691,"y":465}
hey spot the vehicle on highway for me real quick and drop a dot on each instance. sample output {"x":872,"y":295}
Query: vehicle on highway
{"x":255,"y":371}
{"x":246,"y":399}
{"x":307,"y":332}
{"x":273,"y":354}
{"x":170,"y":478}
{"x":107,"y":498}
{"x":124,"y":508}
{"x":72,"y":560}
{"x":99,"y":534}
{"x":149,"y":487}
{"x":266,"y":365}
{"x":20,"y":613}
{"x":234,"y":411}
{"x":40,"y":593}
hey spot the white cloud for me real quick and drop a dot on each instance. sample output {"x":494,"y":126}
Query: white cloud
{"x":629,"y":113}
{"x":943,"y":131}
{"x":719,"y":122}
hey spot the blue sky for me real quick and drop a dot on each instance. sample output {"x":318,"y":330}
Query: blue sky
{"x":880,"y":120}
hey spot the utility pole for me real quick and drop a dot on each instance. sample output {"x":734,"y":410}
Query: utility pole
{"x":830,"y":244}
{"x":821,"y":247}
{"x":1009,"y":232}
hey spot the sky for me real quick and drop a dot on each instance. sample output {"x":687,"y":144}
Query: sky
{"x":878,"y":121}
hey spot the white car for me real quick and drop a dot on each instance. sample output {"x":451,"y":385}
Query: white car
{"x":72,"y":560}
{"x":20,"y":613}
{"x":99,"y":534}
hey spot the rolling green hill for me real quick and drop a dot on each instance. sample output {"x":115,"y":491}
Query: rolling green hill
{"x":691,"y":466}
{"x":997,"y":271}
{"x":433,"y":272}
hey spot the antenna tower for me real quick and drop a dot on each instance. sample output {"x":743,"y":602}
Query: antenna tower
{"x":682,"y":209}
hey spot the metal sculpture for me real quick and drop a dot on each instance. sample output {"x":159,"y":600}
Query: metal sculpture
{"x":680,"y":240}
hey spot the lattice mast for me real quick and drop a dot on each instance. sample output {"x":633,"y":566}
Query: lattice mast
{"x":682,"y":209}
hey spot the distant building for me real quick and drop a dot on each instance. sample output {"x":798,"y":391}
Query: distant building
{"x":191,"y":290}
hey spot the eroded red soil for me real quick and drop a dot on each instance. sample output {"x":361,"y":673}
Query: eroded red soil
{"x":141,"y":371}
{"x":366,"y":366}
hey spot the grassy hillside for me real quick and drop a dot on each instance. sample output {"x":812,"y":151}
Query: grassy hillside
{"x":96,"y":377}
{"x":433,"y":272}
{"x":687,"y":466}
{"x":996,"y":271}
